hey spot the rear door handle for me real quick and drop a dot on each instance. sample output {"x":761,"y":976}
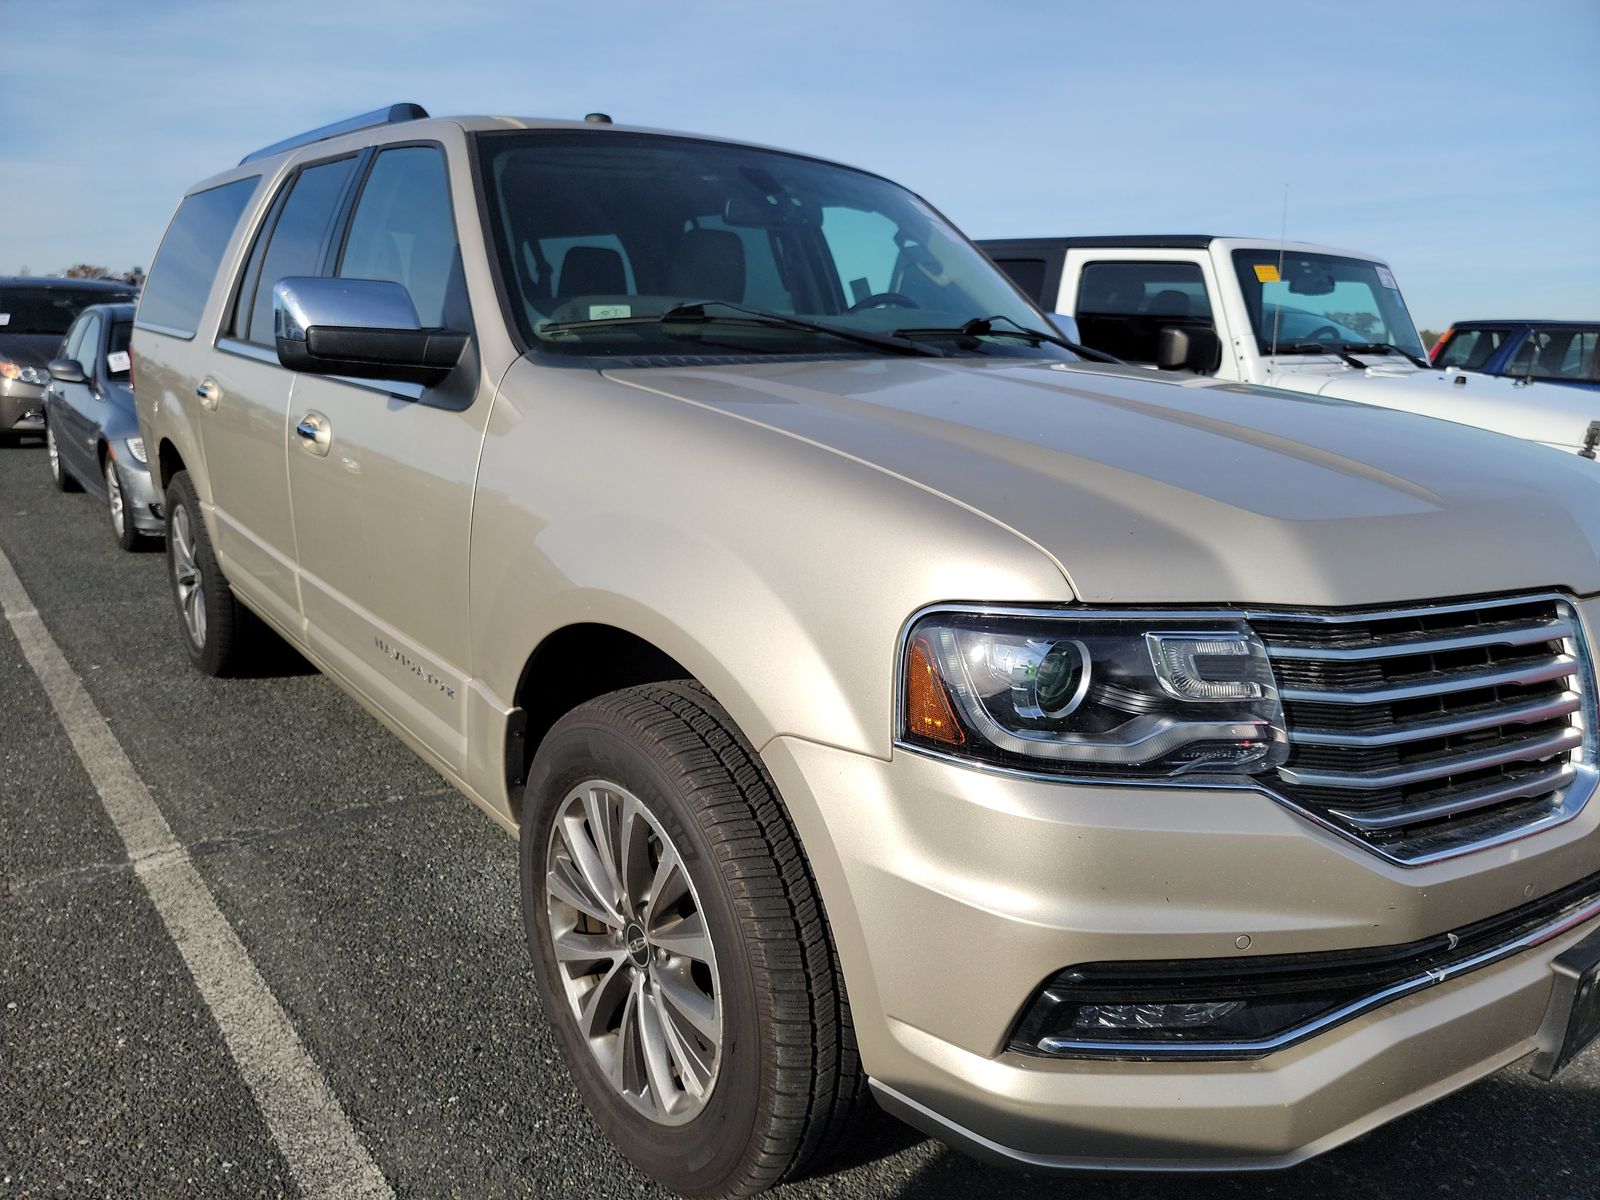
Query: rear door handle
{"x":315,"y":433}
{"x":209,"y":394}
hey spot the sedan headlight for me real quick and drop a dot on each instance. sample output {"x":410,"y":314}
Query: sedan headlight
{"x":35,"y":375}
{"x":1130,"y":696}
{"x":136,"y":448}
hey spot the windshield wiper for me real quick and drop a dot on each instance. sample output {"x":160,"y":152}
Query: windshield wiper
{"x":693,"y":312}
{"x":1337,"y":349}
{"x":1385,"y":348}
{"x":984,"y":327}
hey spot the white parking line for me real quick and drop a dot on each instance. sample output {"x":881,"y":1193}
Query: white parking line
{"x":312,"y":1131}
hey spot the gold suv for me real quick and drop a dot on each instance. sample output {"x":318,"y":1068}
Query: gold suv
{"x":1100,"y":768}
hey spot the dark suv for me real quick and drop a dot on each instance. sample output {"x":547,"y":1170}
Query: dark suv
{"x":1548,"y":351}
{"x":34,"y":315}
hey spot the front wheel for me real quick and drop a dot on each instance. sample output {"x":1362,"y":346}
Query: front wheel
{"x":680,"y":945}
{"x":127,"y":535}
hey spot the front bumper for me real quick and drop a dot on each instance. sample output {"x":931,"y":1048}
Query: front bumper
{"x":21,"y":407}
{"x":139,"y":496}
{"x":953,"y":894}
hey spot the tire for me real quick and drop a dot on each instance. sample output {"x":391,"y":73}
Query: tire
{"x":122,"y":527}
{"x":784,"y":1083}
{"x":217,"y":630}
{"x":60,"y":474}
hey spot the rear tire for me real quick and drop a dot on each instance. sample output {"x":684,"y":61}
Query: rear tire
{"x":217,"y":630}
{"x":780,"y":1082}
{"x":60,"y":475}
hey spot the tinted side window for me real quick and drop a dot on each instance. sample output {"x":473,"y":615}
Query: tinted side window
{"x":186,"y":264}
{"x":1027,"y":274}
{"x":298,"y":238}
{"x":74,"y":339}
{"x":1122,"y":307}
{"x":1556,"y":354}
{"x":89,"y":343}
{"x":1469,"y":349}
{"x":402,"y":230}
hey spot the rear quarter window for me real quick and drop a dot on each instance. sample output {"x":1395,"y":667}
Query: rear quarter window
{"x":186,"y":264}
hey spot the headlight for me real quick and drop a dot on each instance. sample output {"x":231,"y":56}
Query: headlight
{"x":136,"y":447}
{"x":11,"y":370}
{"x":1144,"y":696}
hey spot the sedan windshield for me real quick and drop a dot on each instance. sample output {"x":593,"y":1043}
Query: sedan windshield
{"x":619,"y":244}
{"x":1297,"y":299}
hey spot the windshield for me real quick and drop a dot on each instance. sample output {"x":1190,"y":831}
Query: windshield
{"x":602,"y":231}
{"x":1295,"y":297}
{"x":49,"y":310}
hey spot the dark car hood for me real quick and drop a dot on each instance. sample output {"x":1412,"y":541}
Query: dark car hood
{"x":29,"y":349}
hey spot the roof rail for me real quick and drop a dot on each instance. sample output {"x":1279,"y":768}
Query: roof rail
{"x":392,"y":115}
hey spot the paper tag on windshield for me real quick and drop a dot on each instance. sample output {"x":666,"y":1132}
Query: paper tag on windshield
{"x":1385,"y":278}
{"x":1266,"y":273}
{"x":5,"y":318}
{"x":609,"y":312}
{"x":117,"y":362}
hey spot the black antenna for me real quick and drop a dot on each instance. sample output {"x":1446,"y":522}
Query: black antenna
{"x":1283,"y":234}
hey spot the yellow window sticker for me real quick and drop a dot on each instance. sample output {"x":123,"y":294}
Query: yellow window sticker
{"x":1266,"y":273}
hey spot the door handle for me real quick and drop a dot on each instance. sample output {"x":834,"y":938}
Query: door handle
{"x":315,"y":433}
{"x":209,"y":394}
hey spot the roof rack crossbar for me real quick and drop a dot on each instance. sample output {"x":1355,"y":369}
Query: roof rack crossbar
{"x":393,"y":115}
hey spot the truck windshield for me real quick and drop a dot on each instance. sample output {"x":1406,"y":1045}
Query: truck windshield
{"x":598,"y":233}
{"x":49,"y":310}
{"x":1298,"y":299}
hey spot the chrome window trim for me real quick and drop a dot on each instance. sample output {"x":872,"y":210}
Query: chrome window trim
{"x":1584,"y":912}
{"x":1573,"y":800}
{"x":187,"y":335}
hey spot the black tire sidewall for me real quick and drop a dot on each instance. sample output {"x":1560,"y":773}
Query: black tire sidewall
{"x":695,"y":1157}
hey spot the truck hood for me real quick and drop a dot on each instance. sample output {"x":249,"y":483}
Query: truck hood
{"x":1555,"y":416}
{"x":1150,"y":492}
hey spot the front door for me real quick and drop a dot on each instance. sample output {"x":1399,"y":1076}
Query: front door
{"x":382,"y":474}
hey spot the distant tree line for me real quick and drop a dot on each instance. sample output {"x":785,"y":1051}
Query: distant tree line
{"x":134,"y":275}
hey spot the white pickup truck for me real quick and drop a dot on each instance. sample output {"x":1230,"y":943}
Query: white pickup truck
{"x":1284,"y":314}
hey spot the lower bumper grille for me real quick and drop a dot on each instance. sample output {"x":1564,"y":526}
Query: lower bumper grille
{"x":1424,"y":732}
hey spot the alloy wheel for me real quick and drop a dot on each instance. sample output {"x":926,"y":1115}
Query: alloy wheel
{"x":55,"y":455}
{"x":187,"y":580}
{"x":114,"y":497}
{"x":634,"y":951}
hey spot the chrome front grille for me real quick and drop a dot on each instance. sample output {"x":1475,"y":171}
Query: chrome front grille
{"x":1425,"y":732}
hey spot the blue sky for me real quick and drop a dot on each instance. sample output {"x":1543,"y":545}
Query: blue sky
{"x":1457,"y":139}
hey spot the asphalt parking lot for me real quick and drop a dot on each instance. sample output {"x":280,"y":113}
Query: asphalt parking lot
{"x":380,"y":910}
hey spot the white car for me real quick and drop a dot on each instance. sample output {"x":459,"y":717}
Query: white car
{"x":1306,"y":318}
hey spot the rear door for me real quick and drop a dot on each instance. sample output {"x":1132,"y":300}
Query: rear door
{"x":244,"y":427}
{"x":383,"y":504}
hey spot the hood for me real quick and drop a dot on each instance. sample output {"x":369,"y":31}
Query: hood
{"x":1540,"y":412}
{"x":29,"y":349}
{"x":1151,"y":492}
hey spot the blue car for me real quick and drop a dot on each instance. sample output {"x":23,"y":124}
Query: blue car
{"x":91,"y":427}
{"x":1546,"y":351}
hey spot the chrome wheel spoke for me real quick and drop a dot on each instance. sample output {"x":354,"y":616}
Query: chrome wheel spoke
{"x":605,"y":998}
{"x":589,"y":866}
{"x":657,"y":1058}
{"x":690,"y":1003}
{"x":691,"y":1064}
{"x":566,"y":884}
{"x":627,"y":1060}
{"x":603,"y":810}
{"x":668,"y":886}
{"x":576,"y":947}
{"x":685,"y":937}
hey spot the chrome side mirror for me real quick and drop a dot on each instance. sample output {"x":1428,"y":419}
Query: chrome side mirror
{"x":363,"y":328}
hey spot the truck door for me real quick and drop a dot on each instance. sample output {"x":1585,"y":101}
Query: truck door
{"x":381,"y":474}
{"x":1123,"y":298}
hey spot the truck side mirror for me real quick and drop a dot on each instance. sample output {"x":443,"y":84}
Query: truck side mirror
{"x":1188,"y":349}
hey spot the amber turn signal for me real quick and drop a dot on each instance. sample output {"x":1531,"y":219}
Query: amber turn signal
{"x":928,"y":711}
